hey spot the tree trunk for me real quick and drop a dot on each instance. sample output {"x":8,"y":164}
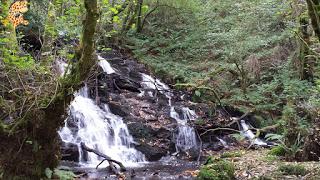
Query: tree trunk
{"x":33,"y":144}
{"x":139,"y":14}
{"x":307,"y":62}
{"x":125,"y":24}
{"x":313,"y":10}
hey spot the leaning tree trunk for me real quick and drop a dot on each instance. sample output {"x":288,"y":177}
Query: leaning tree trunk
{"x":33,"y":145}
{"x":306,"y":60}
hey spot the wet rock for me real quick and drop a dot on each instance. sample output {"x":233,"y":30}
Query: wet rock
{"x":152,"y":153}
{"x":214,"y":146}
{"x":140,"y":130}
{"x":118,"y":109}
{"x":126,"y":84}
{"x":69,"y":152}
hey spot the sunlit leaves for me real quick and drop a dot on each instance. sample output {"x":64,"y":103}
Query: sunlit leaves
{"x":113,"y":10}
{"x":144,"y":8}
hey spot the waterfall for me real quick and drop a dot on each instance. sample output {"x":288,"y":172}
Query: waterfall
{"x":246,"y":132}
{"x":98,"y":128}
{"x":186,"y":138}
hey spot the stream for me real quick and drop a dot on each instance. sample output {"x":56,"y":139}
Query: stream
{"x":134,"y":118}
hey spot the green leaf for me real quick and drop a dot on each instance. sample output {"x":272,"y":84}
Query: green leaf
{"x":114,"y":10}
{"x":48,"y":173}
{"x":197,"y":93}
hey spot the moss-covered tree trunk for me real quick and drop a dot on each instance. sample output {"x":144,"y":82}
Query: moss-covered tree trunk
{"x":314,"y":13}
{"x":33,"y":144}
{"x":139,"y":16}
{"x":306,"y":61}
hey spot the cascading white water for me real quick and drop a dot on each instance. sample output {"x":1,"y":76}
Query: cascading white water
{"x":149,"y":83}
{"x":249,"y":134}
{"x":223,"y":142}
{"x":186,"y":138}
{"x":105,"y":65}
{"x":98,"y":128}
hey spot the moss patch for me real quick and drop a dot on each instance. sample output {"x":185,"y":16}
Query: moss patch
{"x":217,"y":169}
{"x":291,"y":169}
{"x":232,"y":154}
{"x":277,"y":151}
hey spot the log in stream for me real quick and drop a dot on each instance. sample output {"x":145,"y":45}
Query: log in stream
{"x":106,"y":158}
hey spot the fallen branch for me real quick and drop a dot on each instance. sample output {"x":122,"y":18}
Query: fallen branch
{"x":236,"y":120}
{"x":106,"y":158}
{"x":219,"y":129}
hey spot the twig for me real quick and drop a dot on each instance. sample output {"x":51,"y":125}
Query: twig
{"x":218,"y":129}
{"x":100,"y":163}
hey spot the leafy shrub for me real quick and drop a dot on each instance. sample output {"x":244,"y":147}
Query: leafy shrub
{"x":293,"y":170}
{"x":217,"y":169}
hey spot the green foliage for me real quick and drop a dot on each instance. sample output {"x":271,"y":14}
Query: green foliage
{"x":64,"y":175}
{"x":12,"y":56}
{"x":217,"y":169}
{"x":67,"y":15}
{"x":48,"y":173}
{"x":291,"y":169}
{"x":277,"y":151}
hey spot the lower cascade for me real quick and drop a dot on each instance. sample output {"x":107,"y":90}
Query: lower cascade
{"x":186,"y":138}
{"x":249,"y":134}
{"x":98,"y":128}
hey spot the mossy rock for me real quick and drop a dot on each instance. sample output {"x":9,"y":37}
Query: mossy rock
{"x":290,"y":169}
{"x":217,"y":169}
{"x":277,"y":151}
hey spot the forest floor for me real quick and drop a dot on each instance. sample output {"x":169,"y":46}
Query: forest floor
{"x":258,"y":164}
